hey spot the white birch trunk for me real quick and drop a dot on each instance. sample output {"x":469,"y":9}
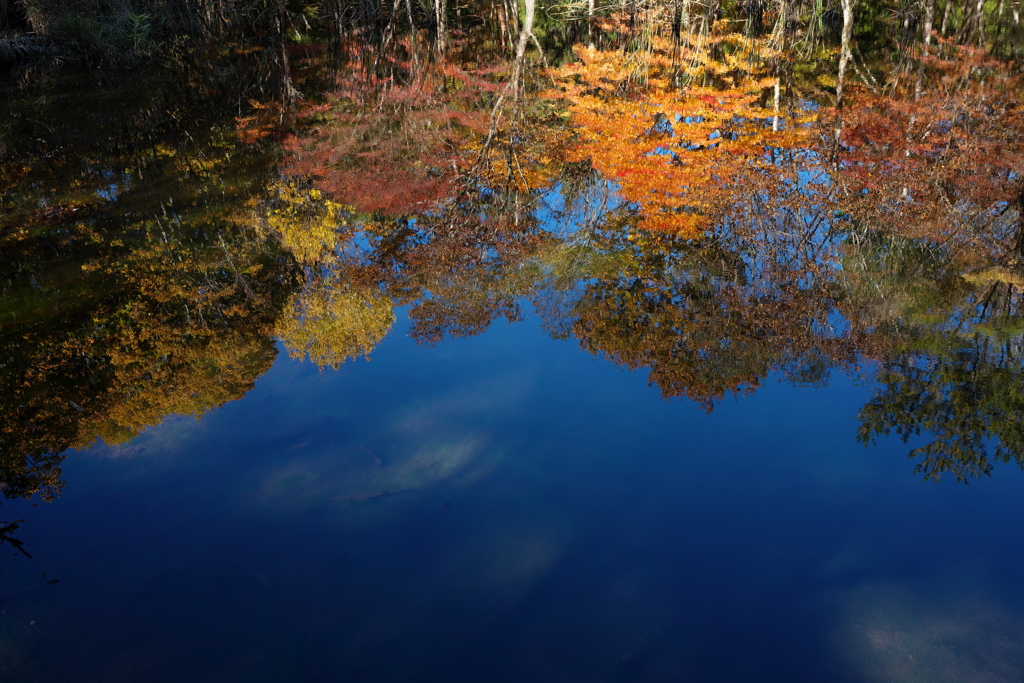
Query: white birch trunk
{"x":440,"y":9}
{"x":945,"y":17}
{"x":929,"y":17}
{"x":845,"y":51}
{"x":590,"y":24}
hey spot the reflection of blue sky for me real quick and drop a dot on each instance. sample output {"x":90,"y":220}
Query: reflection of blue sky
{"x":116,"y":184}
{"x":565,"y":220}
{"x":506,"y":508}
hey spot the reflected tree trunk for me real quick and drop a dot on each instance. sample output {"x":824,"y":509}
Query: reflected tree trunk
{"x":440,"y":9}
{"x":590,"y":24}
{"x":926,"y":30}
{"x":844,"y":54}
{"x":525,"y":34}
{"x":1018,"y":246}
{"x":412,"y":35}
{"x":289,"y":94}
{"x":946,"y":12}
{"x":515,"y":83}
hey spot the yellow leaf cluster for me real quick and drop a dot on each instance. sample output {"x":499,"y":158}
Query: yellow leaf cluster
{"x":307,"y":223}
{"x":332,"y":324}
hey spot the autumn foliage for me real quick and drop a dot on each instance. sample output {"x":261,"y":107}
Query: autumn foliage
{"x":678,"y":132}
{"x":391,"y":142}
{"x":944,"y":165}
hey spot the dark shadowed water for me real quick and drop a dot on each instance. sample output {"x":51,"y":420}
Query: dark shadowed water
{"x":545,"y":500}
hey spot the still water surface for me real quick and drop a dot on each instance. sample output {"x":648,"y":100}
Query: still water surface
{"x":506,"y":505}
{"x":507,"y":508}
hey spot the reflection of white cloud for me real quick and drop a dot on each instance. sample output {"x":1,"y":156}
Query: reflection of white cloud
{"x":161,"y":440}
{"x":948,"y":630}
{"x":350,"y":476}
{"x":495,"y":396}
{"x":444,"y":437}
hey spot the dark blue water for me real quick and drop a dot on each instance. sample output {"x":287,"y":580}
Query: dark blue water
{"x":509,"y":508}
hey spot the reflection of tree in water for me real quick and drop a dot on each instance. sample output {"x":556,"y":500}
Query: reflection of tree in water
{"x":782,"y":282}
{"x":713,"y":316}
{"x":470,"y":271}
{"x":331,"y":322}
{"x":965,"y":394}
{"x":170,"y":307}
{"x":957,"y":377}
{"x":7,"y":538}
{"x":133,"y":294}
{"x":448,"y":244}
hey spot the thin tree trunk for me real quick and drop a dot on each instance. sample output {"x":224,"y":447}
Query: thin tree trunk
{"x":514,"y":85}
{"x":999,"y":21}
{"x":978,"y":25}
{"x":590,"y":24}
{"x":844,"y":54}
{"x":412,"y":33}
{"x":783,"y":56}
{"x":926,"y":30}
{"x":966,"y":22}
{"x":503,"y":24}
{"x":206,"y":17}
{"x":1016,"y":27}
{"x":907,"y":16}
{"x":784,"y":20}
{"x":714,"y":9}
{"x":389,"y":31}
{"x":440,"y":10}
{"x":1018,"y":246}
{"x":775,"y":118}
{"x":512,"y":10}
{"x":525,"y":33}
{"x":289,"y":94}
{"x":929,"y":16}
{"x":945,"y":18}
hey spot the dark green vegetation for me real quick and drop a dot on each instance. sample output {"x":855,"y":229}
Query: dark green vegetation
{"x":124,"y":31}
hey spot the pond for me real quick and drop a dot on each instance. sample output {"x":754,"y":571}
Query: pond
{"x":378,"y":389}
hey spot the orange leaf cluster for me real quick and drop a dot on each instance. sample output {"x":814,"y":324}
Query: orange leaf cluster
{"x":676,"y":152}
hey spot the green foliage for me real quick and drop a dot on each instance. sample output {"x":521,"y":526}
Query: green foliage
{"x":123,"y":37}
{"x":965,"y":399}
